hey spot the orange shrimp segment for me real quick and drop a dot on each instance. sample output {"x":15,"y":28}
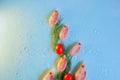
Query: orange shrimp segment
{"x":49,"y":75}
{"x":75,"y":49}
{"x":63,"y":32}
{"x":53,"y":19}
{"x":62,"y":63}
{"x":80,"y":73}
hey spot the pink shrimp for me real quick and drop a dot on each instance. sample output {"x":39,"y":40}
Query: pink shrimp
{"x":62,"y":63}
{"x":63,"y":32}
{"x":48,"y":76}
{"x":75,"y":49}
{"x":80,"y":73}
{"x":53,"y":19}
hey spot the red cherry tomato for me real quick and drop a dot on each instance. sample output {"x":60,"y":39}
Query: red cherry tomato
{"x":67,"y":76}
{"x":59,"y":48}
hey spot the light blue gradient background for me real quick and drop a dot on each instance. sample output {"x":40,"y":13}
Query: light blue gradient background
{"x":95,"y":23}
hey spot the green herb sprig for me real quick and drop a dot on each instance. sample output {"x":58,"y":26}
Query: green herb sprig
{"x":54,"y":40}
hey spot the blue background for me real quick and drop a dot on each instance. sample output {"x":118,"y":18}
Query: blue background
{"x":95,"y":23}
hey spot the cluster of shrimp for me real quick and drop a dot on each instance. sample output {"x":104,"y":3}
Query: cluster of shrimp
{"x":80,"y":73}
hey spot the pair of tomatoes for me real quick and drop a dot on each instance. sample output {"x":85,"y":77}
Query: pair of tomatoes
{"x":59,"y":50}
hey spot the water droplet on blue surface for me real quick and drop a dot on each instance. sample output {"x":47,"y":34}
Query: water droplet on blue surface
{"x":95,"y":31}
{"x":75,"y":58}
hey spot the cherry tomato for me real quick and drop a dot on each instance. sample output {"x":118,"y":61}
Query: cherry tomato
{"x":59,"y":48}
{"x":67,"y":76}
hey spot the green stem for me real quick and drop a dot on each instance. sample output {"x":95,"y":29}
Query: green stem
{"x":55,"y":38}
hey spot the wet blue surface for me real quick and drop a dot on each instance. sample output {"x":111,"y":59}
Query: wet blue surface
{"x":94,"y":23}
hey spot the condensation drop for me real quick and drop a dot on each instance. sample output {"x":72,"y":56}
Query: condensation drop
{"x":104,"y":71}
{"x":95,"y":31}
{"x":75,"y":58}
{"x":18,"y":76}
